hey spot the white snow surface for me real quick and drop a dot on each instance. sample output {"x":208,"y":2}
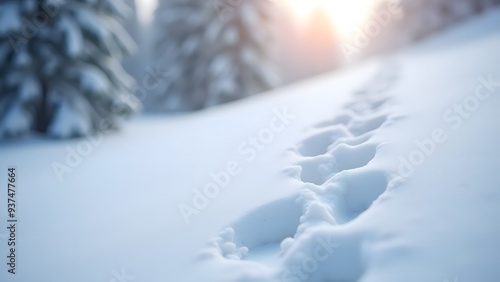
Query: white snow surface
{"x":383,"y":172}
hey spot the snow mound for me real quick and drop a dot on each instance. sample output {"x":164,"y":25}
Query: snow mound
{"x":353,"y":194}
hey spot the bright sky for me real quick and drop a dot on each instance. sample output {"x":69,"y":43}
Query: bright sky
{"x":145,"y":10}
{"x":345,"y":14}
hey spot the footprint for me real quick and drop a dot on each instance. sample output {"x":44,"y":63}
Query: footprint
{"x":350,"y":157}
{"x":342,"y":157}
{"x":318,"y":169}
{"x":225,"y":247}
{"x":319,"y":142}
{"x":351,"y":141}
{"x":265,"y":227}
{"x":257,"y":236}
{"x":367,"y":107}
{"x":327,"y":254}
{"x":360,"y":108}
{"x":338,"y":186}
{"x":351,"y":193}
{"x":364,"y":125}
{"x":341,"y":119}
{"x":359,"y":188}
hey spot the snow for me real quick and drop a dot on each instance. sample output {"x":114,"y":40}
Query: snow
{"x":69,"y":121}
{"x":211,"y":68}
{"x":15,"y":121}
{"x":73,"y":36}
{"x":29,"y":89}
{"x":382,"y":172}
{"x":22,"y":58}
{"x":86,"y":31}
{"x":9,"y":18}
{"x":119,"y":8}
{"x":93,"y":80}
{"x":93,"y":24}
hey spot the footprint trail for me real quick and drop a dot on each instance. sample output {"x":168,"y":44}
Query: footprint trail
{"x":338,"y":186}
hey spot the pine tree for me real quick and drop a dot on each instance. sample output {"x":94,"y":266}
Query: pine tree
{"x":215,"y":51}
{"x":425,"y":17}
{"x":134,"y":64}
{"x":59,"y":66}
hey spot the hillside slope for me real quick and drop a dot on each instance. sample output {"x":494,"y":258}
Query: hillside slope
{"x":384,"y":172}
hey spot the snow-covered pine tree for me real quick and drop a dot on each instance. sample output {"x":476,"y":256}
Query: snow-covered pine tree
{"x":215,"y":51}
{"x":59,"y":66}
{"x":421,"y":19}
{"x":134,"y":64}
{"x":428,"y":16}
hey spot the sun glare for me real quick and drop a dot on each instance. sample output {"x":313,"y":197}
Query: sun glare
{"x":145,"y":10}
{"x":345,"y":14}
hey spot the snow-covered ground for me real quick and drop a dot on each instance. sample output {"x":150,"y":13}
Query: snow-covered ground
{"x":383,"y":172}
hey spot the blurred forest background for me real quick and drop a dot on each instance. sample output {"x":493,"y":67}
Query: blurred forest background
{"x":69,"y":68}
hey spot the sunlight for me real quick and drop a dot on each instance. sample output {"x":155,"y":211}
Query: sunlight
{"x":345,"y":14}
{"x":145,"y":10}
